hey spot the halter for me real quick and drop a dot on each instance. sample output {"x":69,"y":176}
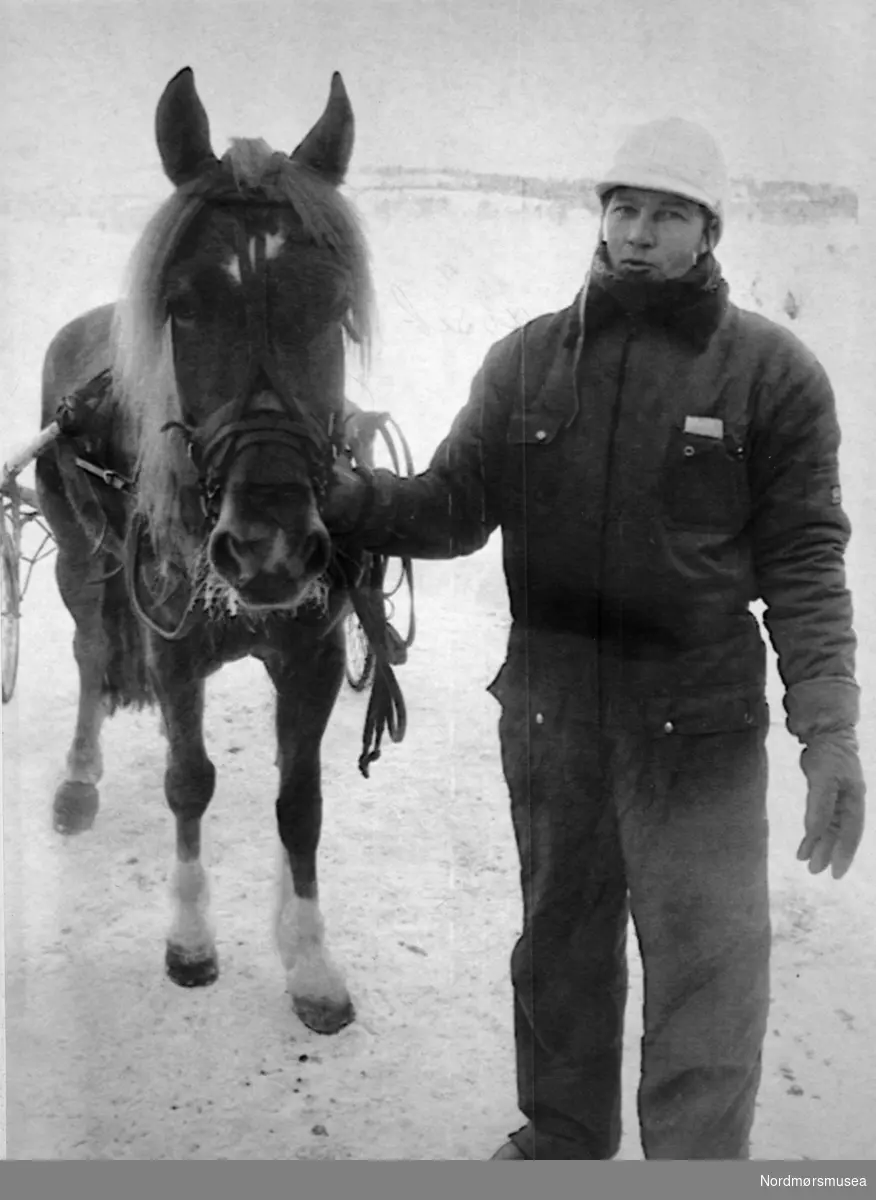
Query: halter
{"x":217,"y":441}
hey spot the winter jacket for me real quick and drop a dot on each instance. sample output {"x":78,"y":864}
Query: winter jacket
{"x":651,"y":478}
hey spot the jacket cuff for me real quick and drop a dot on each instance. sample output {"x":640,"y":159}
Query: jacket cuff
{"x":819,"y":706}
{"x":377,"y":517}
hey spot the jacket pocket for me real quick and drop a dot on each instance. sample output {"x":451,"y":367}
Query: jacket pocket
{"x":533,"y":428}
{"x":697,"y":715}
{"x":705,"y":482}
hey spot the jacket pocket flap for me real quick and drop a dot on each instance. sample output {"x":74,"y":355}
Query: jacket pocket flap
{"x":533,"y":428}
{"x":697,"y":715}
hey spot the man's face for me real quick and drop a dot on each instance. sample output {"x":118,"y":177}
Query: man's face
{"x":653,"y":235}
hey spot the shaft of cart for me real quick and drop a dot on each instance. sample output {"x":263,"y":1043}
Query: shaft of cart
{"x":23,"y":458}
{"x":19,"y":510}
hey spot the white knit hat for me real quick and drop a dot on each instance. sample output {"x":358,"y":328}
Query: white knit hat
{"x":675,"y":156}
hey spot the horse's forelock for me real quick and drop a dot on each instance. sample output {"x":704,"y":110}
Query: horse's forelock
{"x":326,"y":217}
{"x":249,"y":160}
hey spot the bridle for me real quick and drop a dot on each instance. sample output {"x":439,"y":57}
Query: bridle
{"x":214,"y":443}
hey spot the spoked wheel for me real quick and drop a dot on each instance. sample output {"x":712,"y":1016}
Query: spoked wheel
{"x":360,"y":657}
{"x":10,"y":615}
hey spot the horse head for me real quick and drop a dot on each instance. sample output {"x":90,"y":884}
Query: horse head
{"x":249,"y":281}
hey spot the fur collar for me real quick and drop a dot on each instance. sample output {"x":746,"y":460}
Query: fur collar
{"x":691,"y":307}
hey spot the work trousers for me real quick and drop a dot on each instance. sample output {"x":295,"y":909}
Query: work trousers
{"x":671,"y":828}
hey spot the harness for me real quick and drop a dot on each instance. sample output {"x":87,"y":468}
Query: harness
{"x":212,"y":446}
{"x":386,"y":707}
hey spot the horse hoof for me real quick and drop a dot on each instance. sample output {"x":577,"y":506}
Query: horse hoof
{"x":321,"y":1017}
{"x":189,"y":972}
{"x":75,"y":807}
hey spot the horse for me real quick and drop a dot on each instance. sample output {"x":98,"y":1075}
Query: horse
{"x":224,"y":411}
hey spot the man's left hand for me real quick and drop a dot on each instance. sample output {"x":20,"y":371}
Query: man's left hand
{"x":835,"y":802}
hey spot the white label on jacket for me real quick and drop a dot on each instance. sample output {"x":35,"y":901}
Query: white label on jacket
{"x":712,"y":427}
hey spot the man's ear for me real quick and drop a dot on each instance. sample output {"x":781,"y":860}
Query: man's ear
{"x":710,"y":234}
{"x":605,"y":202}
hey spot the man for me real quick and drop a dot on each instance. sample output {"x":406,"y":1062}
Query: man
{"x":657,"y":459}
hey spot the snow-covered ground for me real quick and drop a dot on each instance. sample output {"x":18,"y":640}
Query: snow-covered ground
{"x":106,"y":1058}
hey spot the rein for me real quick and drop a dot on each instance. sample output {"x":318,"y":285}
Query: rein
{"x":386,"y":707}
{"x":137,"y":535}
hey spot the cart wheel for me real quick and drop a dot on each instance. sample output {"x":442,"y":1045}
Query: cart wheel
{"x":360,"y":657}
{"x":10,"y":614}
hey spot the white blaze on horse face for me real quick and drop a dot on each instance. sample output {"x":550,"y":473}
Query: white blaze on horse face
{"x":311,"y":975}
{"x":232,"y":268}
{"x":274,"y":243}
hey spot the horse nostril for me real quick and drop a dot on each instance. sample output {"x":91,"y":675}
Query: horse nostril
{"x":226,"y":552}
{"x":317,"y":553}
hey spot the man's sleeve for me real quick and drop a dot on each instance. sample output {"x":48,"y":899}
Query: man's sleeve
{"x":800,"y":533}
{"x":453,"y":506}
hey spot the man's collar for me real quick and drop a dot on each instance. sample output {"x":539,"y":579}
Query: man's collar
{"x":691,"y":308}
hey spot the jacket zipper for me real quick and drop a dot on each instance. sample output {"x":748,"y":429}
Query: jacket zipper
{"x":606,"y":496}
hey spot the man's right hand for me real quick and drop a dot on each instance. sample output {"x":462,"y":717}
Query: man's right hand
{"x":346,"y":498}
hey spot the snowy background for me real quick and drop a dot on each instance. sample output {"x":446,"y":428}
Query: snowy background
{"x":106,"y":1059}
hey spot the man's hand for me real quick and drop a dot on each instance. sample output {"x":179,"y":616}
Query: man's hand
{"x":345,"y":500}
{"x":835,"y":803}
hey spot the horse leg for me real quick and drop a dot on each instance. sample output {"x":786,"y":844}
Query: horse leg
{"x":76,"y":799}
{"x":189,"y":780}
{"x":319,"y":994}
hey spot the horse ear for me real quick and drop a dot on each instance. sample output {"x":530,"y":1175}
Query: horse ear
{"x":182,"y":130}
{"x":328,"y":147}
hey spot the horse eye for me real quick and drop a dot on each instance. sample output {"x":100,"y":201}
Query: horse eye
{"x":182,"y":306}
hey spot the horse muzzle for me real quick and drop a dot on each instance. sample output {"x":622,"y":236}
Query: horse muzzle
{"x":266,"y":566}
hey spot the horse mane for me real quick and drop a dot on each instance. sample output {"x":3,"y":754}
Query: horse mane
{"x":141,"y":352}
